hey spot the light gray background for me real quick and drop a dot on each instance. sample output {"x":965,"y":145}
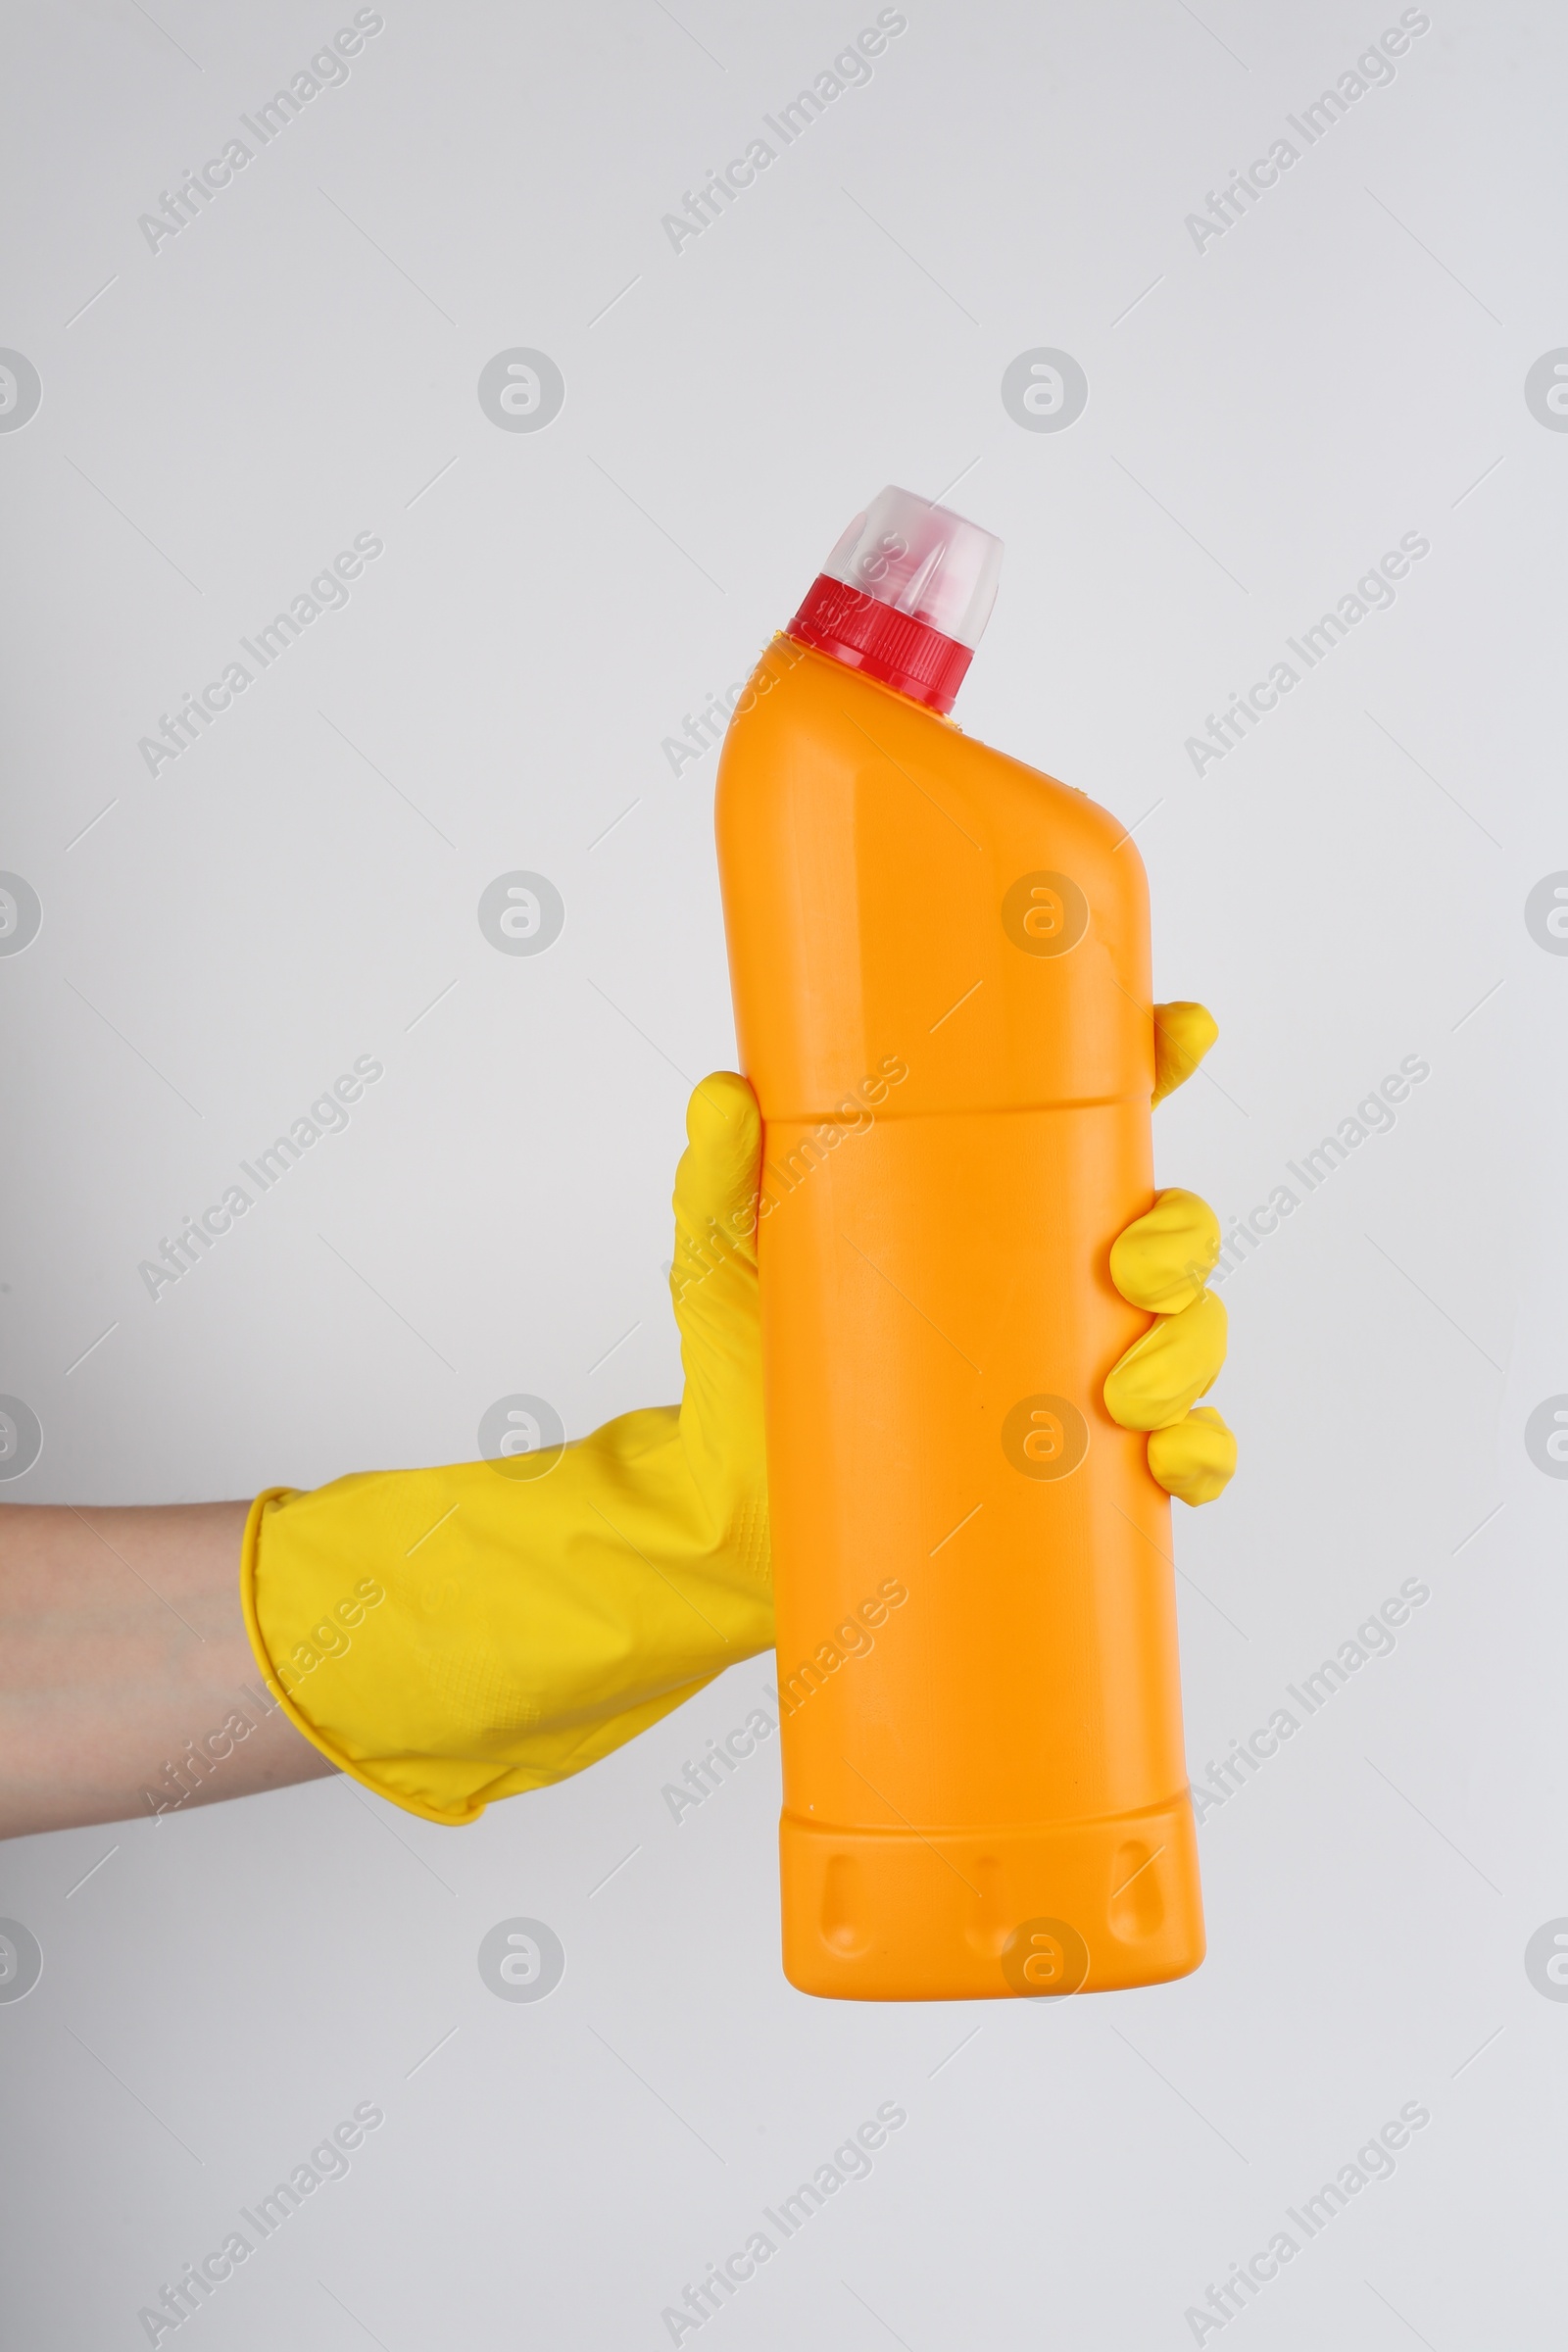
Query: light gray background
{"x":1264,"y":420}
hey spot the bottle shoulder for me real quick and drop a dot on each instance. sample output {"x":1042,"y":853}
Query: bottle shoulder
{"x":895,"y":889}
{"x":812,"y":736}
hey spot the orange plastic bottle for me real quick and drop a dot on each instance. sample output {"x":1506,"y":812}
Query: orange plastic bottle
{"x":941,"y":971}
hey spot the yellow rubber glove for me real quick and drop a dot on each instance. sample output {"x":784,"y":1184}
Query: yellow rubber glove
{"x":1161,"y":1262}
{"x":456,"y":1634}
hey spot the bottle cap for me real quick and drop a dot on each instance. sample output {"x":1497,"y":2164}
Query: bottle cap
{"x":904,"y":596}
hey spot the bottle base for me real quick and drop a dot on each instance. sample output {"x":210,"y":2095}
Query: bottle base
{"x":1018,"y":1912}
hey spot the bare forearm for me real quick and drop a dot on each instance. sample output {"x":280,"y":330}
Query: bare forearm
{"x":128,"y":1685}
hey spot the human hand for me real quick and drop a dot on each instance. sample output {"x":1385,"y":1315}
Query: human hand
{"x":1161,"y":1262}
{"x":713,"y":1284}
{"x":510,"y":1621}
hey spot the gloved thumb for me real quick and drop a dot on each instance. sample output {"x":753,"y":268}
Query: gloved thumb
{"x":715,"y":1183}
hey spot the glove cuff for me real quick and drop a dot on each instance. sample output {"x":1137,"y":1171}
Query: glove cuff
{"x":448,"y":1637}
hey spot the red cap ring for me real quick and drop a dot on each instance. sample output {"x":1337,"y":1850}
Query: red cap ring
{"x":863,"y":633}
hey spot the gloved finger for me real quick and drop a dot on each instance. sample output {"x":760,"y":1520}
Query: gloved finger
{"x":1169,"y":1368}
{"x":1194,"y":1458}
{"x":715,"y":1183}
{"x":1183,"y":1035}
{"x":1164,"y":1257}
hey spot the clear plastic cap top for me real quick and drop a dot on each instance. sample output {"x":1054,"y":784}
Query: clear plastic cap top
{"x":922,"y":560}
